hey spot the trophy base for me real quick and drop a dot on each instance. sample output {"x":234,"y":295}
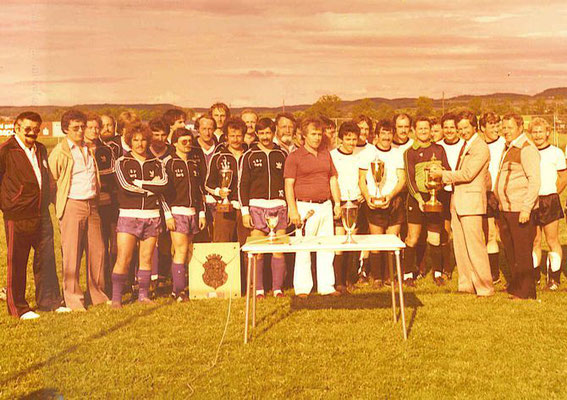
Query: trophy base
{"x":224,"y":207}
{"x":433,"y":208}
{"x":378,"y":201}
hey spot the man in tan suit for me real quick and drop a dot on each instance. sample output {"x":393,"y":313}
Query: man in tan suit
{"x":468,"y":205}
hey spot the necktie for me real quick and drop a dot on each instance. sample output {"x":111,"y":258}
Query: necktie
{"x":461,"y":153}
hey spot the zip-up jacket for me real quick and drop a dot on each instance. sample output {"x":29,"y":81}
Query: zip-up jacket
{"x":223,"y":158}
{"x":184,"y":195}
{"x":104,"y":158}
{"x":261,"y":181}
{"x":21,"y":197}
{"x":197,"y":157}
{"x":140,"y":194}
{"x":118,"y":147}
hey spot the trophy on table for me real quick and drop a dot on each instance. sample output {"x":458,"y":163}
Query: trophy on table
{"x":272,"y":222}
{"x":433,"y":185}
{"x":225,"y":181}
{"x":349,"y":215}
{"x":377,"y":170}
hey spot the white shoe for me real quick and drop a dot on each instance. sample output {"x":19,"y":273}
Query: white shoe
{"x":3,"y":294}
{"x":29,"y":315}
{"x":63,"y":310}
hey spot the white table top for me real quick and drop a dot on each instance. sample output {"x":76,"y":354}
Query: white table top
{"x":316,"y":243}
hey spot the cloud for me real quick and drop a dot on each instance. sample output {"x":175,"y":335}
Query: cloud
{"x":83,"y":80}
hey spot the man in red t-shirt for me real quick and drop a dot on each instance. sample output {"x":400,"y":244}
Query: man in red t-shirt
{"x":310,"y":184}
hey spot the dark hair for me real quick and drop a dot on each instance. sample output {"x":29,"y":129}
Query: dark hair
{"x":32,"y":116}
{"x":467,"y":114}
{"x":158,"y":124}
{"x":205,"y":116}
{"x":349,"y":127}
{"x":72,"y":115}
{"x":403,"y":116}
{"x":327,"y":122}
{"x":421,"y":118}
{"x":490,"y":118}
{"x":434,"y":121}
{"x":287,"y":116}
{"x":234,"y":123}
{"x":385,"y":124}
{"x":170,"y":116}
{"x":94,"y":117}
{"x":448,"y":117}
{"x":125,"y":118}
{"x":310,"y":121}
{"x":220,"y":105}
{"x":519,"y":120}
{"x":364,"y":118}
{"x":264,"y":123}
{"x":180,"y":132}
{"x":136,"y":128}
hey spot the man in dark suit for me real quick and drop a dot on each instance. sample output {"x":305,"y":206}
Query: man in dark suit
{"x":24,"y":200}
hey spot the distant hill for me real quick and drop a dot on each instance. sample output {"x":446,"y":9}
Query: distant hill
{"x":150,"y":110}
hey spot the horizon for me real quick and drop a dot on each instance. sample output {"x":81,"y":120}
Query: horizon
{"x":258,"y":54}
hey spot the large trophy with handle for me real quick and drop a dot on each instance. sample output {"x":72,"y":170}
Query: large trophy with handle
{"x":349,"y":215}
{"x":377,"y":169}
{"x":225,"y":181}
{"x":433,"y":185}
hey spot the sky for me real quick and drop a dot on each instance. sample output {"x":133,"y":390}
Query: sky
{"x":193,"y":53}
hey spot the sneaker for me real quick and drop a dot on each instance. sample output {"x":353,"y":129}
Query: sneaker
{"x":410,"y":282}
{"x":439,"y":281}
{"x":421,"y":275}
{"x":62,"y":310}
{"x":181,"y":297}
{"x":260,"y":296}
{"x":496,"y":281}
{"x":3,"y":294}
{"x":29,"y":315}
{"x":279,"y":294}
{"x":552,"y":285}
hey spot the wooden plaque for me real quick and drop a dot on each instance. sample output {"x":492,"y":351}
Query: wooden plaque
{"x":214,"y":270}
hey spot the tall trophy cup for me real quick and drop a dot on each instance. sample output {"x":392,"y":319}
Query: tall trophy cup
{"x":377,"y":170}
{"x":272,"y":222}
{"x":349,"y":214}
{"x":433,"y":185}
{"x":225,"y":181}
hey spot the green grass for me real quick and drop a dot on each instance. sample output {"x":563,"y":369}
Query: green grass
{"x":459,"y":346}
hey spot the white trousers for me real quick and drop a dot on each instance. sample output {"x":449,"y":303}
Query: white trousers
{"x":319,"y":224}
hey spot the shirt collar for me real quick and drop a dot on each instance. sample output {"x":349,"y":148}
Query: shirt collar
{"x":71,"y":144}
{"x":417,"y":145}
{"x":23,"y":146}
{"x":519,"y":141}
{"x":472,"y":139}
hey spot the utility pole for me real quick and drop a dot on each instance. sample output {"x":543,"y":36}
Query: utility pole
{"x":443,"y":102}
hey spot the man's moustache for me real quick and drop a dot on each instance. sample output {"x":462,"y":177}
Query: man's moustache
{"x":31,"y":136}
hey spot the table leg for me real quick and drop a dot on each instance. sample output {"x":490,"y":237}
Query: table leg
{"x":392,"y":283}
{"x":401,"y":294}
{"x":254,"y":292}
{"x":250,"y":257}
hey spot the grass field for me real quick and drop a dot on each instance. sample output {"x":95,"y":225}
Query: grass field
{"x":459,"y":346}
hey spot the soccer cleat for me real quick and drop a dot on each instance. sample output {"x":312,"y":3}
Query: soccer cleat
{"x":62,"y":310}
{"x":410,"y":282}
{"x":552,"y":285}
{"x":29,"y":315}
{"x":439,"y":281}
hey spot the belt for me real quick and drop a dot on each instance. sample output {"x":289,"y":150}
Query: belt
{"x":313,"y":201}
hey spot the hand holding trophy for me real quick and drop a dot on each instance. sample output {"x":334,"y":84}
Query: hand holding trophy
{"x":349,"y":215}
{"x":433,"y":183}
{"x":225,"y":181}
{"x":377,"y":170}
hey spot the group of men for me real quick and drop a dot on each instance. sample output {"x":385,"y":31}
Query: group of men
{"x":125,"y":192}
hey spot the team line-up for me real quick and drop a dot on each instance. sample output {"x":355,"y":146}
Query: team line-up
{"x":127,"y":192}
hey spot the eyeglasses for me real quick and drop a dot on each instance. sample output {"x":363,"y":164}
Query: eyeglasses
{"x":29,"y":129}
{"x":184,"y":142}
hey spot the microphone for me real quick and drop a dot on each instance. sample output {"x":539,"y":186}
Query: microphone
{"x":303,"y":222}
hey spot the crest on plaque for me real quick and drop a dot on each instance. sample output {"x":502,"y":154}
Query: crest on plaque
{"x":215,"y":274}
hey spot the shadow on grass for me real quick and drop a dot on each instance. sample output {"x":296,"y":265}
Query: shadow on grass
{"x":63,"y":353}
{"x":44,"y":394}
{"x":358,"y":301}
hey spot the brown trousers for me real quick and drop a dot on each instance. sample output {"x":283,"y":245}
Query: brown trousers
{"x":81,"y":230}
{"x":518,"y":241}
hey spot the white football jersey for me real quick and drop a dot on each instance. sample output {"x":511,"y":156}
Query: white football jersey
{"x":552,"y":159}
{"x":393,"y":162}
{"x":496,"y":148}
{"x":347,"y":169}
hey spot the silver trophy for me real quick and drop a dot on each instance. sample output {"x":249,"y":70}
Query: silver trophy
{"x":377,"y":169}
{"x":272,"y":222}
{"x":349,"y":215}
{"x":226,"y":174}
